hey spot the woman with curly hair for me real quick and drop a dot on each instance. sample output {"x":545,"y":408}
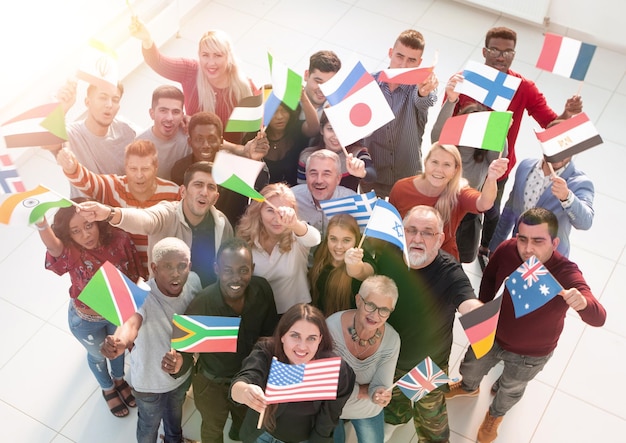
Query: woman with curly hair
{"x":280,"y":244}
{"x":78,"y":247}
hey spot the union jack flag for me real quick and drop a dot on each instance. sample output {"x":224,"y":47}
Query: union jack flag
{"x":10,"y":181}
{"x":531,"y":286}
{"x":422,"y":379}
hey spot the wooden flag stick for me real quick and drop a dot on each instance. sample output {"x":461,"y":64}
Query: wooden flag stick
{"x":260,"y":422}
{"x":361,"y":242}
{"x":552,"y":173}
{"x":580,"y":87}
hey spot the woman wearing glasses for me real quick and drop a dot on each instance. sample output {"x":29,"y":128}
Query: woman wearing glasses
{"x":442,"y":187}
{"x":370,"y":346}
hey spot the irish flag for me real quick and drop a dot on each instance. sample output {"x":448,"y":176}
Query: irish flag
{"x":25,"y":208}
{"x":237,"y":174}
{"x":565,"y":56}
{"x":286,"y":88}
{"x":482,"y":130}
{"x":405,"y":76}
{"x":205,"y":333}
{"x":480,"y":326}
{"x":571,"y":136}
{"x":247,"y":115}
{"x":113,"y":295}
{"x":39,"y":126}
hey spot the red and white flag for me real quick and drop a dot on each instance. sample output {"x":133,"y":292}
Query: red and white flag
{"x":571,"y":136}
{"x":405,"y":76}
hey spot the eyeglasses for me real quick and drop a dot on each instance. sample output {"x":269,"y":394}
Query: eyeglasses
{"x":426,"y":235}
{"x":493,"y":52}
{"x":371,"y":307}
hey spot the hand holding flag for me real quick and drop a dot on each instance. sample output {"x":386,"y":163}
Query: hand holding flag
{"x":422,"y":379}
{"x":26,"y":208}
{"x":385,"y":224}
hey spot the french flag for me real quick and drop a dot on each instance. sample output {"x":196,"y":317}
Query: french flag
{"x":565,"y":56}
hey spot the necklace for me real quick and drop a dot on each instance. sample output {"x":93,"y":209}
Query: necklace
{"x":355,"y":336}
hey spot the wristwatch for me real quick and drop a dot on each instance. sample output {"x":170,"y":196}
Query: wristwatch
{"x":111,"y":214}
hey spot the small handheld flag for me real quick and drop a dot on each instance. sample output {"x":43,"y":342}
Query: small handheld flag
{"x":10,"y":181}
{"x":26,"y":208}
{"x":531,"y":286}
{"x":205,"y":333}
{"x":405,"y":76}
{"x":99,"y":65}
{"x":480,"y":326}
{"x":571,"y":136}
{"x":39,"y":126}
{"x":224,"y":167}
{"x":315,"y":380}
{"x":422,"y":379}
{"x":360,"y":206}
{"x":247,"y":116}
{"x":487,"y":85}
{"x":112,"y":295}
{"x":482,"y":130}
{"x":565,"y":56}
{"x":385,"y":224}
{"x":286,"y":88}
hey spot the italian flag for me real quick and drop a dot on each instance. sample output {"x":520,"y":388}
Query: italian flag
{"x":481,"y":130}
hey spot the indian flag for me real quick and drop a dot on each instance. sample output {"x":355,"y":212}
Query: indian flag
{"x":286,"y":88}
{"x":247,"y":116}
{"x":237,"y":174}
{"x":571,"y":136}
{"x":39,"y":126}
{"x":113,"y":295}
{"x":26,"y":208}
{"x":565,"y":56}
{"x":205,"y":333}
{"x":482,"y":130}
{"x":99,"y":65}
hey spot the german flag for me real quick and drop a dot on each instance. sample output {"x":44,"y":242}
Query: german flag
{"x":480,"y":326}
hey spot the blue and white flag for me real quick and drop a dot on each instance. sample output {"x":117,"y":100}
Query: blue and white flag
{"x":359,"y":206}
{"x":386,"y":224}
{"x":487,"y":85}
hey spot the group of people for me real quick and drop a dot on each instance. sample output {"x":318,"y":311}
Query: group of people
{"x":306,"y":286}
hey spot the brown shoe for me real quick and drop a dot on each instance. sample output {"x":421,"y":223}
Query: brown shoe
{"x":456,"y":390}
{"x":488,"y":431}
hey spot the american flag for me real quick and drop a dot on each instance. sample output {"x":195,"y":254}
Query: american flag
{"x":10,"y":181}
{"x":316,"y":380}
{"x":422,"y":379}
{"x":359,"y":206}
{"x":531,"y":286}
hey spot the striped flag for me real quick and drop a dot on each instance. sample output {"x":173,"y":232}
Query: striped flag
{"x":565,"y":56}
{"x":359,"y":206}
{"x":482,"y":130}
{"x":99,"y":65}
{"x":480,"y":326}
{"x":205,"y":333}
{"x":247,"y":116}
{"x":571,"y":136}
{"x":27,"y":130}
{"x":385,"y":224}
{"x":242,"y":182}
{"x":26,"y":208}
{"x":113,"y":295}
{"x":10,"y":181}
{"x":487,"y":85}
{"x":286,"y":88}
{"x":315,"y":380}
{"x":422,"y":379}
{"x":405,"y":76}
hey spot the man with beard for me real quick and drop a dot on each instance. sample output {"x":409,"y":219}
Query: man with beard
{"x":237,"y":293}
{"x":430,"y":291}
{"x":194,"y":219}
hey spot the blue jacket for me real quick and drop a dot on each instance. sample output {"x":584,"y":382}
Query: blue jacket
{"x":579,"y":214}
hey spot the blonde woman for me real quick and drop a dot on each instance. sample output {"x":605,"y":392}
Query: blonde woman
{"x":442,"y":187}
{"x":280,"y":244}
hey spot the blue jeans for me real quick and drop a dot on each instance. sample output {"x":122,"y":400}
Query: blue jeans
{"x":168,"y":406}
{"x":518,"y":371}
{"x":368,"y":430}
{"x":91,"y":335}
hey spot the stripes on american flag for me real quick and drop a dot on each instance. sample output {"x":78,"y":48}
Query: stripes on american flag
{"x":315,"y":380}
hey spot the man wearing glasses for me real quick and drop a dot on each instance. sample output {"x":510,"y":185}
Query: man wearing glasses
{"x":499,"y":52}
{"x":431,"y":287}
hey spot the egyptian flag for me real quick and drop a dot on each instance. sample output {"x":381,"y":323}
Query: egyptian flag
{"x":565,"y":56}
{"x":113,"y":295}
{"x":205,"y":333}
{"x":39,"y":126}
{"x":571,"y":136}
{"x":480,"y":326}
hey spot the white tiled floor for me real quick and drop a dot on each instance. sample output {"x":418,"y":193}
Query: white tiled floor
{"x":46,"y":391}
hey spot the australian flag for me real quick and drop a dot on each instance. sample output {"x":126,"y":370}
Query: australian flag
{"x":531,"y":286}
{"x":422,"y":379}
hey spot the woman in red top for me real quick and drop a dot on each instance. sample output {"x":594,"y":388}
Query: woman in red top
{"x":79,"y":248}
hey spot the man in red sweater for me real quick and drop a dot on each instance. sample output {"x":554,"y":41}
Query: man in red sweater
{"x":525,"y":344}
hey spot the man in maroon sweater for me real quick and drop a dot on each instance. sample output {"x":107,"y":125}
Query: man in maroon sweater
{"x":525,"y":344}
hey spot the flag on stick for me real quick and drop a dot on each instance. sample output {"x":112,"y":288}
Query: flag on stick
{"x":286,"y":88}
{"x":99,"y":65}
{"x":26,"y":208}
{"x":487,"y":85}
{"x":531,"y":286}
{"x":482,"y":130}
{"x":315,"y":380}
{"x":385,"y":224}
{"x":10,"y":181}
{"x":571,"y":136}
{"x":405,"y":76}
{"x":422,"y":379}
{"x":247,"y":116}
{"x":113,"y":295}
{"x":205,"y":333}
{"x":565,"y":56}
{"x":39,"y":126}
{"x":360,"y":206}
{"x":224,"y":167}
{"x":480,"y":326}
